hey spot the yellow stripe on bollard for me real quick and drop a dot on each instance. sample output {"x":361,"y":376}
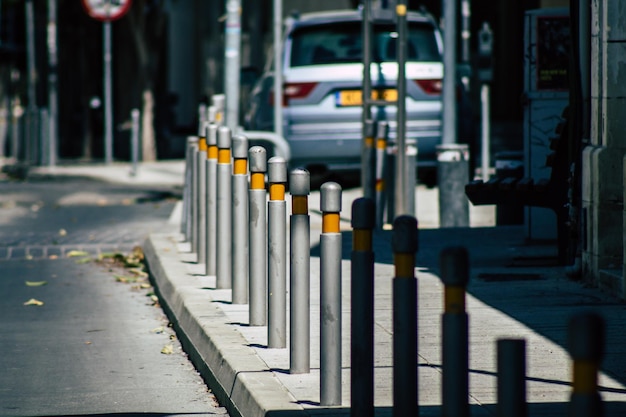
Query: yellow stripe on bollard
{"x":362,"y":240}
{"x":369,"y":142}
{"x":405,"y":265}
{"x":277,"y":192}
{"x":381,"y":143}
{"x":257,"y":181}
{"x":330,"y":223}
{"x":202,"y":145}
{"x":223,"y":156}
{"x":585,"y":379}
{"x":240,"y":166}
{"x":299,"y":204}
{"x":380,"y":185}
{"x":454,"y":299}
{"x":212,"y":152}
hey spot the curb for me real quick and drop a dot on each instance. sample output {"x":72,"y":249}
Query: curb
{"x":240,"y":379}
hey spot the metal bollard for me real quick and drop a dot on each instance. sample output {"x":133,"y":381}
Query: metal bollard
{"x":201,"y":193}
{"x":511,"y":378}
{"x":211,"y":200}
{"x":586,"y":335}
{"x":277,"y":254}
{"x":452,"y":175}
{"x":368,"y":174}
{"x":381,"y":149}
{"x":454,"y":266}
{"x":194,"y":196}
{"x":223,"y":206}
{"x":185,"y":226}
{"x":362,"y":309}
{"x":330,"y":296}
{"x":219,"y":102}
{"x":300,"y":273}
{"x":240,"y":220}
{"x":257,"y":230}
{"x":404,"y":244}
{"x":134,"y":142}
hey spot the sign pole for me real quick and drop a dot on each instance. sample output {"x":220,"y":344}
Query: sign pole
{"x":108,"y":93}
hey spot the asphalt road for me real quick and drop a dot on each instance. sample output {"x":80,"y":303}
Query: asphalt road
{"x":81,"y":333}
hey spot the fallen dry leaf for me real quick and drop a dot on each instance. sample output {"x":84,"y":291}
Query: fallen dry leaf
{"x":53,"y":257}
{"x":167,"y":350}
{"x":33,"y":302}
{"x":76,"y":253}
{"x":62,"y":232}
{"x":36,"y":283}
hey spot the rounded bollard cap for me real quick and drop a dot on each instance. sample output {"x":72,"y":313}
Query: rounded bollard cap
{"x":363,"y":213}
{"x":330,"y":197}
{"x":404,"y":237}
{"x":585,"y":336}
{"x":257,"y":158}
{"x":452,"y":152}
{"x":277,"y":169}
{"x":211,"y":114}
{"x":240,"y":146}
{"x":218,"y":101}
{"x":382,"y":130}
{"x":192,"y":139}
{"x":211,"y":136}
{"x":454,"y":266}
{"x":223,"y":137}
{"x":299,"y":182}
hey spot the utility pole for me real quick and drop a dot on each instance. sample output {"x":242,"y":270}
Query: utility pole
{"x":449,"y":73}
{"x":278,"y":67}
{"x":232,"y":62}
{"x":52,"y":84}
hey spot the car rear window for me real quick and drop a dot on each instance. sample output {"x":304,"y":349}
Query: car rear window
{"x":342,"y":43}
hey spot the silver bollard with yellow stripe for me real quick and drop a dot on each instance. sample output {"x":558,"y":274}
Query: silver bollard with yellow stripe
{"x":224,"y":219}
{"x":257,"y":229}
{"x":240,"y":220}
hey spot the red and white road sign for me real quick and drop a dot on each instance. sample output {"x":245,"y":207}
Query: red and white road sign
{"x":106,"y":10}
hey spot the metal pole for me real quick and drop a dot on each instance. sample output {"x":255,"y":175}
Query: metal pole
{"x":211,"y":200}
{"x":278,"y":67}
{"x":466,"y":35}
{"x":300,"y":273}
{"x":330,"y":295}
{"x":404,"y":243}
{"x":134,"y":138}
{"x":30,"y":131}
{"x":485,"y":131}
{"x":277,"y":254}
{"x":368,"y":166}
{"x":223,"y":207}
{"x":53,"y":101}
{"x":232,"y":62}
{"x":240,"y":219}
{"x":362,"y":309}
{"x":449,"y":134}
{"x":43,"y":134}
{"x":381,"y":157}
{"x":454,"y":266}
{"x":194,"y":196}
{"x":511,"y":378}
{"x":402,"y":192}
{"x":187,"y":204}
{"x":201,"y":196}
{"x":108,"y":93}
{"x":257,"y":197}
{"x":586,"y":338}
{"x":368,"y":124}
{"x":452,"y":175}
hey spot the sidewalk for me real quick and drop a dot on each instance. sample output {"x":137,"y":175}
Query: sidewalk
{"x":515,"y":291}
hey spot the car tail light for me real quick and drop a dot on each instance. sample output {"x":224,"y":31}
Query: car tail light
{"x":294,"y":90}
{"x":430,"y":86}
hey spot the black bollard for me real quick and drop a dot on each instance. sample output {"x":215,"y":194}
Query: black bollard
{"x":404,"y":243}
{"x":454,"y":265}
{"x":511,"y":378}
{"x":362,"y":309}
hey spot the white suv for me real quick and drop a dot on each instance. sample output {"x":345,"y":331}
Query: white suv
{"x":323,"y":74}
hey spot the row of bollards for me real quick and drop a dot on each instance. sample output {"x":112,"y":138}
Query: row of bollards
{"x":239,"y":231}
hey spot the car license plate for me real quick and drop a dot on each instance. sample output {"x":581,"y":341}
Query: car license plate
{"x":355,"y":97}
